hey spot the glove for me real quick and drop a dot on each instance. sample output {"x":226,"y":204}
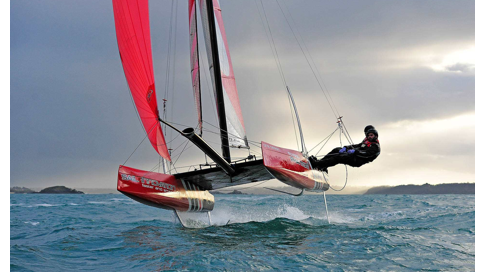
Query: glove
{"x":351,"y":151}
{"x":342,"y":150}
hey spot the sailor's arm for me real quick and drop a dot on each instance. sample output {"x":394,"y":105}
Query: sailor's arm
{"x":373,"y":150}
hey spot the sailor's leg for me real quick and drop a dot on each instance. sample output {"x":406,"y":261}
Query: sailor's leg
{"x":333,"y":152}
{"x":318,"y":163}
{"x":357,"y":162}
{"x":330,"y":161}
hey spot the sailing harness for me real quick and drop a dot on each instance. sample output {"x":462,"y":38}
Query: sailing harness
{"x":368,"y":143}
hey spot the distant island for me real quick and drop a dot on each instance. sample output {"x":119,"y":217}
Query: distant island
{"x":49,"y":190}
{"x":234,"y":192}
{"x":59,"y":190}
{"x":21,"y":190}
{"x":448,"y":188}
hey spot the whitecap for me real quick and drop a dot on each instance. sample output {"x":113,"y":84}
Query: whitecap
{"x":291,"y":212}
{"x":221,"y":216}
{"x":119,"y":199}
{"x":43,"y":205}
{"x":98,"y":202}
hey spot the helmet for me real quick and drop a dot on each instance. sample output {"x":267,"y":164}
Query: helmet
{"x":367,"y":128}
{"x":372,"y":130}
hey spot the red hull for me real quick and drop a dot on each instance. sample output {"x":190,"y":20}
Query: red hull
{"x":292,"y":168}
{"x":163,"y":191}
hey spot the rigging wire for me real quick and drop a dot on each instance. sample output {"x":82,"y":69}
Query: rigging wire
{"x":167,"y":72}
{"x":327,"y":139}
{"x":346,"y":167}
{"x":172,"y":91}
{"x":327,"y":95}
{"x":275,"y":54}
{"x":257,"y":144}
{"x":146,"y":136}
{"x":212,"y":142}
{"x":168,"y":64}
{"x":173,"y":164}
{"x":347,"y":133}
{"x":134,"y":106}
{"x":307,"y":60}
{"x":314,"y":68}
{"x":310,"y":57}
{"x":217,"y":133}
{"x":179,"y":145}
{"x":271,"y":44}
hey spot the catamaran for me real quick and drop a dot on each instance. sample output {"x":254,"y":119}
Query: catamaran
{"x":189,"y":191}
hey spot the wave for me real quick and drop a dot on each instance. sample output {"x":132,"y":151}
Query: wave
{"x":100,"y":202}
{"x":221,"y":216}
{"x":43,"y":205}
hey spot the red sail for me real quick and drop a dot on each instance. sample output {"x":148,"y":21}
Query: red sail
{"x":194,"y":63}
{"x":132,"y":22}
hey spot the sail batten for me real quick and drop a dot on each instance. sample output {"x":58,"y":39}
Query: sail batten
{"x":134,"y":43}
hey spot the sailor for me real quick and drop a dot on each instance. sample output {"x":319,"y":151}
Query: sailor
{"x":352,"y":155}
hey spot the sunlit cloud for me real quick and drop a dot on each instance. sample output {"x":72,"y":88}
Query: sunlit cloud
{"x":440,"y":137}
{"x":462,"y":61}
{"x":454,"y":123}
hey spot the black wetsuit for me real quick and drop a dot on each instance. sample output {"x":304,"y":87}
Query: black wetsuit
{"x":365,"y":152}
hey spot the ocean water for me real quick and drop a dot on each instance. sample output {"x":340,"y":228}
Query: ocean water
{"x":264,"y":232}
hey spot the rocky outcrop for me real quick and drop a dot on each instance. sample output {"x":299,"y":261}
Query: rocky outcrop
{"x":59,"y":190}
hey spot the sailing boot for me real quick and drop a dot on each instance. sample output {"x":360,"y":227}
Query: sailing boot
{"x":314,"y":161}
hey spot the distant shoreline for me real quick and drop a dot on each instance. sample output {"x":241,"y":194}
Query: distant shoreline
{"x":49,"y":190}
{"x":446,"y":188}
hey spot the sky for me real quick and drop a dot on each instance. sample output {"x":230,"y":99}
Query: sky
{"x":406,"y":67}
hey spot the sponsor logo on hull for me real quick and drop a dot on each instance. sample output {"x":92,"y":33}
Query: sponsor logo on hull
{"x":149,"y":183}
{"x":164,"y":191}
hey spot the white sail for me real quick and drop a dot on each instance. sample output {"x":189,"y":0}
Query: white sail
{"x":233,"y":112}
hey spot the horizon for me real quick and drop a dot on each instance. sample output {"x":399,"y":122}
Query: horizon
{"x":245,"y":186}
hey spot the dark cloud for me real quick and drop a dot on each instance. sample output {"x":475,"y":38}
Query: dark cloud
{"x":72,"y":116}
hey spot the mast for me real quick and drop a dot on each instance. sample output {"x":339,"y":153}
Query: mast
{"x":218,"y":83}
{"x":198,"y":64}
